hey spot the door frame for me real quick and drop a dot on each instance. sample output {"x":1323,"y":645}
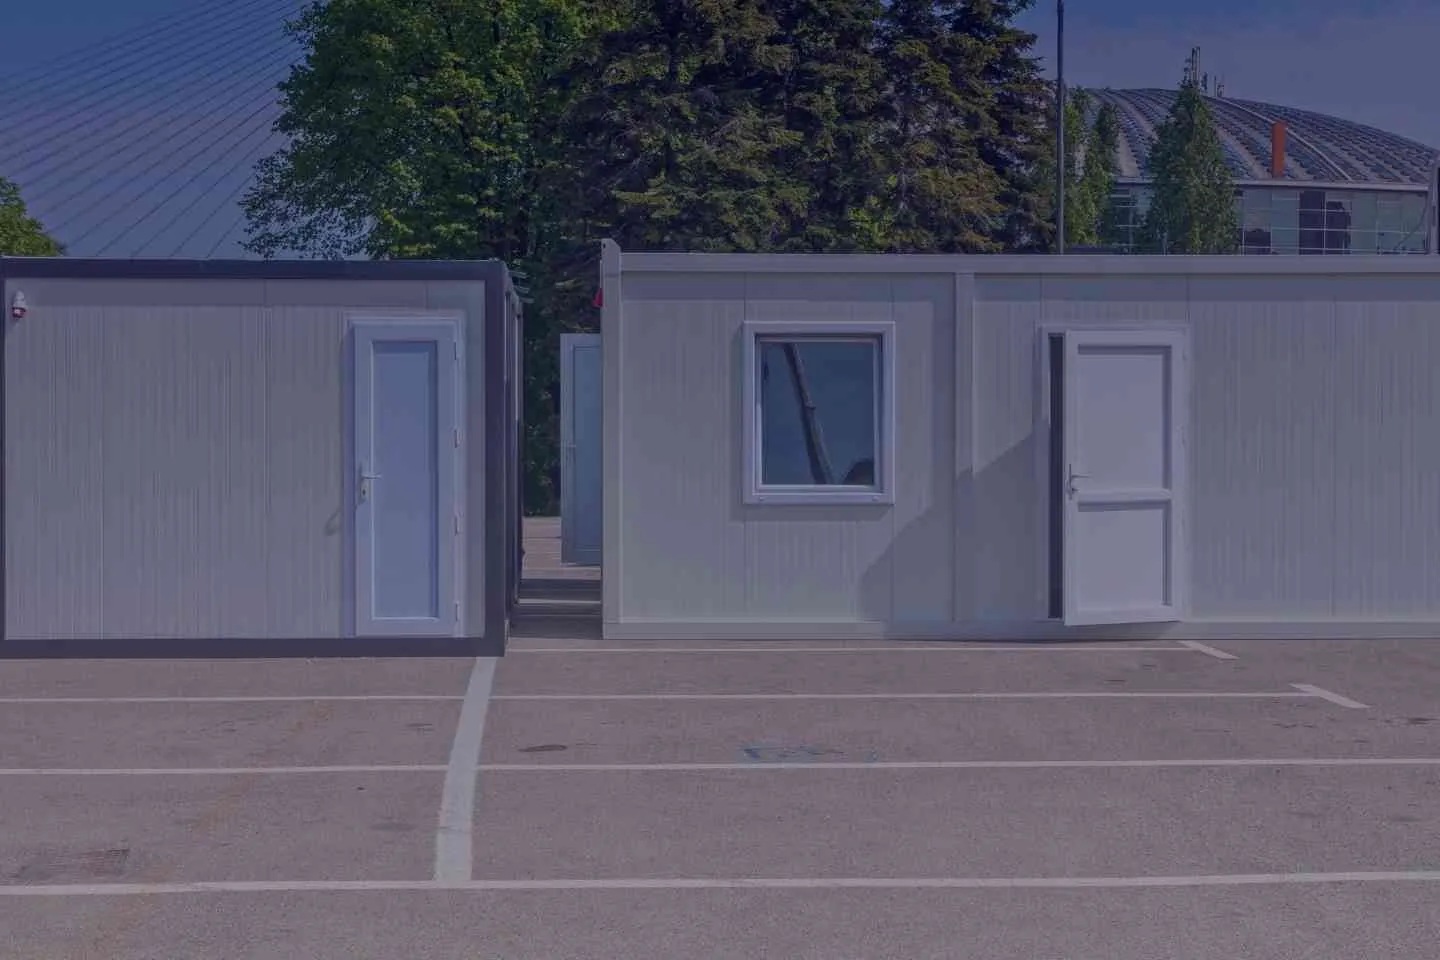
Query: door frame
{"x":1047,"y":538}
{"x":442,"y":327}
{"x":569,"y":551}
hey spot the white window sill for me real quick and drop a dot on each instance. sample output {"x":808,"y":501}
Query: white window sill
{"x":819,"y":496}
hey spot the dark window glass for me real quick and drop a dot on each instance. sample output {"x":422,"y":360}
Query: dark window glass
{"x":1363,"y":213}
{"x":818,"y":406}
{"x":1312,"y":221}
{"x":1337,"y":226}
{"x":1256,"y":241}
{"x":1388,"y":218}
{"x":1412,"y":210}
{"x":1363,"y":242}
{"x":1285,"y":210}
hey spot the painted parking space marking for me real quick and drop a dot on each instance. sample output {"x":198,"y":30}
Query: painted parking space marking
{"x":289,"y":698}
{"x":712,"y":883}
{"x":960,"y":764}
{"x":217,"y":771}
{"x":453,"y":841}
{"x":963,"y":764}
{"x":898,"y":648}
{"x":1005,"y":695}
{"x":1334,"y":698}
{"x":1208,"y":650}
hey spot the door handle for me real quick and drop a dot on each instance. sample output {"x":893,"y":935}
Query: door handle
{"x":365,"y":479}
{"x":1073,"y":477}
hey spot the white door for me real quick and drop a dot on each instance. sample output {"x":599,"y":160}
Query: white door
{"x":1124,"y":474}
{"x":407,"y":454}
{"x":582,"y":448}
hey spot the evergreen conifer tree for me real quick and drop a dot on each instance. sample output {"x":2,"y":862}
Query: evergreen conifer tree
{"x":1193,"y":207}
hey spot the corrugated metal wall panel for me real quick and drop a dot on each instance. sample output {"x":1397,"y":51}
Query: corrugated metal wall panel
{"x":54,"y":476}
{"x":1262,"y":440}
{"x":806,"y":562}
{"x":681,"y":532}
{"x":176,"y":469}
{"x":305,"y":520}
{"x":1008,"y":528}
{"x":183,"y":545}
{"x":691,"y":549}
{"x":1314,"y":487}
{"x":921,"y":556}
{"x":1386,"y":398}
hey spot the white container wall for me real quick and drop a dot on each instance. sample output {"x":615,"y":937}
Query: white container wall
{"x":1250,"y":446}
{"x":185,"y":447}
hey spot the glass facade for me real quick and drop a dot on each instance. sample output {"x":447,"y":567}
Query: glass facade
{"x":1305,"y":221}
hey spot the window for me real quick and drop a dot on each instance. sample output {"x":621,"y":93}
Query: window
{"x":819,"y":418}
{"x":1363,"y":213}
{"x":1255,"y":211}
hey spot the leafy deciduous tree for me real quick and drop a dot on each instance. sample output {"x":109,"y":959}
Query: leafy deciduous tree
{"x":527,"y":129}
{"x":21,"y":235}
{"x":1193,"y":208}
{"x":417,"y":130}
{"x":1092,"y":138}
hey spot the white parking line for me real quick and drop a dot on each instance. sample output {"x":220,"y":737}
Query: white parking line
{"x":715,"y":883}
{"x":1208,"y":650}
{"x":898,"y":648}
{"x":962,"y":765}
{"x":1037,"y":695}
{"x":1334,"y":698}
{"x":214,"y":771}
{"x":297,"y":698}
{"x":453,"y":845}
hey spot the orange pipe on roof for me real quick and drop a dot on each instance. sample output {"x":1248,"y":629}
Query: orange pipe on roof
{"x":1277,"y":149}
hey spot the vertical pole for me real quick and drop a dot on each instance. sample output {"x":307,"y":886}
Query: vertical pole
{"x":1060,"y":158}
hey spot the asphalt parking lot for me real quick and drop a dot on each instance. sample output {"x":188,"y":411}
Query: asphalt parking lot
{"x":1088,"y":802}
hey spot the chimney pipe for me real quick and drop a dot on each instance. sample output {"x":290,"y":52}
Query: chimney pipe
{"x":1277,"y":149}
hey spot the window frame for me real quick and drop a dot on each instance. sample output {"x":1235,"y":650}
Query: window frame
{"x":754,"y":492}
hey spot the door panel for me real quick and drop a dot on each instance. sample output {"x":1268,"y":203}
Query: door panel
{"x":406,"y":518}
{"x":582,"y":448}
{"x":1124,"y":471}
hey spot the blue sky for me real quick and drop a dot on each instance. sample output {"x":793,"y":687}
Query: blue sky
{"x":1363,"y":62}
{"x":1332,"y":56}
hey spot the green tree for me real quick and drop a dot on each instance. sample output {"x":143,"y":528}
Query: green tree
{"x":418,"y":130}
{"x":1097,"y":179}
{"x":675,"y":148}
{"x":528,"y":129}
{"x":748,"y":125}
{"x":938,"y":194}
{"x":1014,"y":132}
{"x":21,"y":235}
{"x":833,"y":85}
{"x":1092,"y":137}
{"x":1193,"y":208}
{"x":410,"y":128}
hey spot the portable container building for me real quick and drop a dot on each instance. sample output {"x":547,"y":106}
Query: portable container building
{"x":231,"y":457}
{"x":1020,"y":446}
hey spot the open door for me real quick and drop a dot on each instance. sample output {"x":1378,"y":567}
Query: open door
{"x":582,"y":448}
{"x":1124,"y":475}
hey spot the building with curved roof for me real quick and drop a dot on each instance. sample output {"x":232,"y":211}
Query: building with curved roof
{"x":1305,"y":182}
